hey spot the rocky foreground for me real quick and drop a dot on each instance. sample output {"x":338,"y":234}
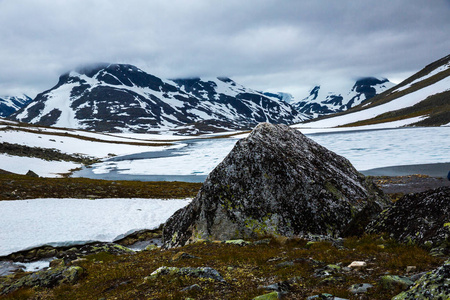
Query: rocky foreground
{"x":280,"y":217}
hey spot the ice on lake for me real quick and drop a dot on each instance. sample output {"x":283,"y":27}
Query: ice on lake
{"x":366,"y":149}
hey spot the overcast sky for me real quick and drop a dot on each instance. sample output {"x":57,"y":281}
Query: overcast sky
{"x":284,"y":45}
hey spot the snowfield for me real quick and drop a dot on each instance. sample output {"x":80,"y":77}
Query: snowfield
{"x":44,"y":168}
{"x":29,"y":223}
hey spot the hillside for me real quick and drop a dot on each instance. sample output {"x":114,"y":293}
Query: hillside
{"x":123,"y":98}
{"x":420,"y":100}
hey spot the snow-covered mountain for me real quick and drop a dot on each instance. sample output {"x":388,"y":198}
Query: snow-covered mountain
{"x":11,"y":104}
{"x":123,"y":98}
{"x":324,"y":100}
{"x":421,"y":100}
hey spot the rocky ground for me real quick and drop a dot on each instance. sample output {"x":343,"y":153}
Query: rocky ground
{"x":409,"y":184}
{"x":288,"y":268}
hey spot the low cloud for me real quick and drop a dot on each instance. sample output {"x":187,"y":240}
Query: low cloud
{"x":269,"y":45}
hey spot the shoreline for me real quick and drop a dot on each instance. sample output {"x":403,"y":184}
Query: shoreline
{"x":439,"y":170}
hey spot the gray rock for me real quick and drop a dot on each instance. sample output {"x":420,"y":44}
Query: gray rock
{"x":45,"y":278}
{"x":433,"y":285}
{"x":201,"y":272}
{"x":270,"y":296}
{"x":32,"y":174}
{"x":360,"y":288}
{"x":324,"y":296}
{"x":194,"y":287}
{"x":391,"y":281}
{"x":419,"y":218}
{"x":275,"y":182}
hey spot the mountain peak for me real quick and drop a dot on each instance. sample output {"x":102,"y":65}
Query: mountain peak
{"x":323,"y":100}
{"x":121,"y":97}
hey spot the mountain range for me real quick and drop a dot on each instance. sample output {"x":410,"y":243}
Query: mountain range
{"x":422,"y":99}
{"x":323,"y":100}
{"x":123,"y":98}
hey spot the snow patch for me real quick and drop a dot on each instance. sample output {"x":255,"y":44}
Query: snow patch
{"x":30,"y":223}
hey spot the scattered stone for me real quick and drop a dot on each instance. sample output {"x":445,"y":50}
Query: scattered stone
{"x":324,"y":296}
{"x":239,"y":242}
{"x":202,"y":272}
{"x":433,"y":285}
{"x":68,"y":254}
{"x":56,"y":263}
{"x":357,"y":265}
{"x":418,"y":218}
{"x":262,"y":242}
{"x":410,"y":269}
{"x":360,"y":288}
{"x":275,"y":182}
{"x":194,"y":287}
{"x":32,"y":174}
{"x":283,"y":286}
{"x":390,"y":281}
{"x":46,"y":278}
{"x":285,"y":264}
{"x":183,"y":255}
{"x":270,"y":296}
{"x":326,"y":271}
{"x":78,"y":261}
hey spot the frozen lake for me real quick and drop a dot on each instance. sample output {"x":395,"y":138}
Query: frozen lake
{"x":367,"y":149}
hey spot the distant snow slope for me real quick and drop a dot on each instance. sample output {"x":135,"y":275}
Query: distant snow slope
{"x":324,"y":99}
{"x":425,"y":94}
{"x":123,"y":98}
{"x":401,"y":102}
{"x":11,"y":104}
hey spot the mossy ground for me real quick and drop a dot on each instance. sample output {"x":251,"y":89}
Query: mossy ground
{"x":16,"y":187}
{"x":244,"y":268}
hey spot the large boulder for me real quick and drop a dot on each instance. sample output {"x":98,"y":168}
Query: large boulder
{"x":419,"y":218}
{"x":274,"y":182}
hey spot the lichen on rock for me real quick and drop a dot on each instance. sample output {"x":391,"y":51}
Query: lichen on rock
{"x":418,"y":218}
{"x":433,"y":285}
{"x":275,"y":182}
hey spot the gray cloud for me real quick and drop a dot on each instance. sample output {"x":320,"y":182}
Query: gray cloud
{"x":265,"y":44}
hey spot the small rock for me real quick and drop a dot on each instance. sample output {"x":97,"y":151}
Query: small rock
{"x":56,"y":263}
{"x":282,"y":287}
{"x":32,"y":174}
{"x":357,"y":265}
{"x":194,"y":287}
{"x":182,"y":255}
{"x":270,"y":296}
{"x":262,"y":242}
{"x":433,"y":285}
{"x":360,"y":288}
{"x":45,"y":278}
{"x":78,"y":261}
{"x":410,"y":269}
{"x":390,"y":281}
{"x":285,"y":264}
{"x":239,"y":242}
{"x":324,"y":296}
{"x":202,"y":272}
{"x":151,"y":247}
